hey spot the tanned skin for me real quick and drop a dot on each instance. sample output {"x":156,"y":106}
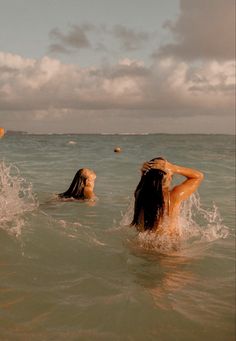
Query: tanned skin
{"x":173,"y":197}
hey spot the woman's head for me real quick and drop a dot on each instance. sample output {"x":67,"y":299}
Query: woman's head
{"x":149,"y":200}
{"x":83,"y":180}
{"x":89,"y":177}
{"x":159,"y":163}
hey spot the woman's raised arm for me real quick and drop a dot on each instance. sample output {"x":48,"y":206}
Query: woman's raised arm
{"x":187,"y":187}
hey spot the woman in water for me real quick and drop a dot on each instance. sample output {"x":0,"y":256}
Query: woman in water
{"x":82,"y":186}
{"x":157,"y":206}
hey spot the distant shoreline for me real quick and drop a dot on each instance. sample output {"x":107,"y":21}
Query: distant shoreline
{"x":24,"y":133}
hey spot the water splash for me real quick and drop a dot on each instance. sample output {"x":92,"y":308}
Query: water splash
{"x":204,"y":223}
{"x":16,"y":198}
{"x":196,"y":225}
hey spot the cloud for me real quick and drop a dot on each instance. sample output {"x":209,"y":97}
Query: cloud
{"x":130,"y":39}
{"x":167,"y":86}
{"x":58,"y":48}
{"x":205,"y":29}
{"x":76,"y":38}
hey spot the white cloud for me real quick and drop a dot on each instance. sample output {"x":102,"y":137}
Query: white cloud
{"x":27,"y":84}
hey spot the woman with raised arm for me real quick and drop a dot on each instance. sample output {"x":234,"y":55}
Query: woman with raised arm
{"x":157,"y":206}
{"x":82,"y":186}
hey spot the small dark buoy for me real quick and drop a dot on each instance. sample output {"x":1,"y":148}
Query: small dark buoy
{"x":117,"y":150}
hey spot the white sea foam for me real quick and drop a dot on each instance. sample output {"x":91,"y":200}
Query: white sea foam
{"x":196,"y":224}
{"x":16,"y":198}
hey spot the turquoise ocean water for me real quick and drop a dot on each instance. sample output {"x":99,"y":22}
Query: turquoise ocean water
{"x":76,"y":271}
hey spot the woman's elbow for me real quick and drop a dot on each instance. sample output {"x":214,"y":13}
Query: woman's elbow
{"x":200,"y":176}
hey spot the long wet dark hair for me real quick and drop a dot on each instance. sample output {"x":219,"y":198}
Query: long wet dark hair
{"x":76,"y":189}
{"x":149,"y":199}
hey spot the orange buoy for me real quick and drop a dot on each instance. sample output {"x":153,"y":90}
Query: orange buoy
{"x":117,"y":150}
{"x":2,"y":132}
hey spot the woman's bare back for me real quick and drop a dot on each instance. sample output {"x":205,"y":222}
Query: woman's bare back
{"x":169,"y":221}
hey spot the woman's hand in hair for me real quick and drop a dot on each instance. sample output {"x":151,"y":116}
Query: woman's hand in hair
{"x":159,"y":164}
{"x":169,"y":167}
{"x":155,"y":164}
{"x":146,"y":167}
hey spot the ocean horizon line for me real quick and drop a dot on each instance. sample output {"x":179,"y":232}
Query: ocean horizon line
{"x":18,"y":132}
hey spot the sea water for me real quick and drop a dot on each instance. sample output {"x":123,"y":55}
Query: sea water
{"x":77,"y":271}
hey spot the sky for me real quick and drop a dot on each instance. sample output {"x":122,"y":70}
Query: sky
{"x":108,"y":66}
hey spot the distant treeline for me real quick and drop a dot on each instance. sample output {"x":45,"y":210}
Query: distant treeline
{"x":16,"y":132}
